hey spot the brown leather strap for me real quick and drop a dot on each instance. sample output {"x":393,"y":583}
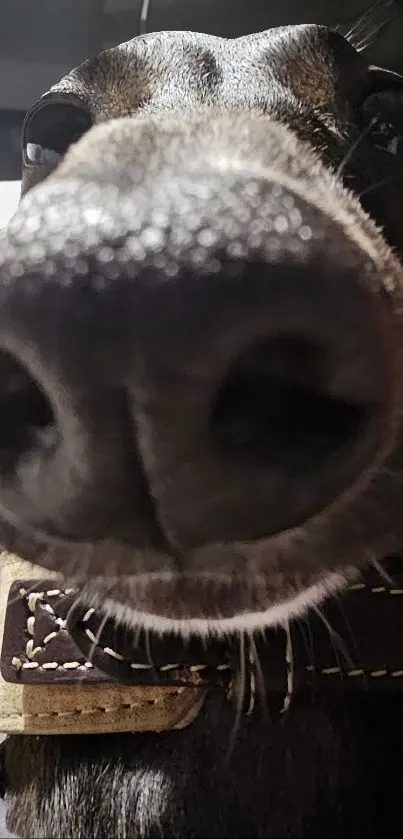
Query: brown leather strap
{"x":70,"y":696}
{"x":52,"y":642}
{"x":48,"y":637}
{"x":355,"y":639}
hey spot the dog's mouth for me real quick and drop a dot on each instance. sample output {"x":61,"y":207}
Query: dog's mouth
{"x":209,"y":604}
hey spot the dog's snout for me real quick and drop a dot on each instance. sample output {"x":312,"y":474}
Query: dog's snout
{"x":215,"y":375}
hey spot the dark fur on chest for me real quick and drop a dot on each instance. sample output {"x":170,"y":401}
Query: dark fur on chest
{"x":330,"y":769}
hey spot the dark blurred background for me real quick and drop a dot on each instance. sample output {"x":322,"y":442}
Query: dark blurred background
{"x":40,"y":40}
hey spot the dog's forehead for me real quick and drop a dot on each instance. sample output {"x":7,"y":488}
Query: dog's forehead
{"x":171,"y":70}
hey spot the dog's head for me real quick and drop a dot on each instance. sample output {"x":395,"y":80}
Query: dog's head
{"x":201,"y":327}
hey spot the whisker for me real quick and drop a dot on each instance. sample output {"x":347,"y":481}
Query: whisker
{"x":91,"y":652}
{"x":307,"y":637}
{"x":339,"y":602}
{"x":364,"y":31}
{"x":147,"y":644}
{"x":365,"y":17}
{"x":385,"y":577}
{"x":37,"y":585}
{"x":373,"y":187}
{"x":240,"y":687}
{"x":252,"y":679}
{"x":370,"y":36}
{"x":260,"y":680}
{"x":350,"y":151}
{"x":97,"y":638}
{"x":335,"y":639}
{"x":289,"y":657}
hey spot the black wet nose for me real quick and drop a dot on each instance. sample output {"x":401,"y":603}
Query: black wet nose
{"x":196,"y":363}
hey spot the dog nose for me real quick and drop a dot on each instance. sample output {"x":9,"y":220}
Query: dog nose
{"x":206,"y":361}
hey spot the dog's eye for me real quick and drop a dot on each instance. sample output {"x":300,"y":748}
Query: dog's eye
{"x":382,"y":114}
{"x":50,"y":128}
{"x":39,"y":156}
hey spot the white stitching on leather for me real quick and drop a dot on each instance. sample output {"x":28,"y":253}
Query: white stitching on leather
{"x":49,"y":665}
{"x":101,"y":709}
{"x":375,"y":589}
{"x":32,"y":598}
{"x":337,"y":671}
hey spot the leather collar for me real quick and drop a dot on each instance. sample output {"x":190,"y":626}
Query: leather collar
{"x":65,"y":669}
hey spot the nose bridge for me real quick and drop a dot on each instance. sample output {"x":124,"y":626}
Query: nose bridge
{"x":90,"y":269}
{"x":179,"y":269}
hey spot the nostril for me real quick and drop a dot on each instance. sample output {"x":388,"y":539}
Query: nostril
{"x":276,"y":405}
{"x":27,"y":420}
{"x":68,"y":464}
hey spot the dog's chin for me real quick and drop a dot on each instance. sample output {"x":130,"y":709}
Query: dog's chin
{"x":209,"y":604}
